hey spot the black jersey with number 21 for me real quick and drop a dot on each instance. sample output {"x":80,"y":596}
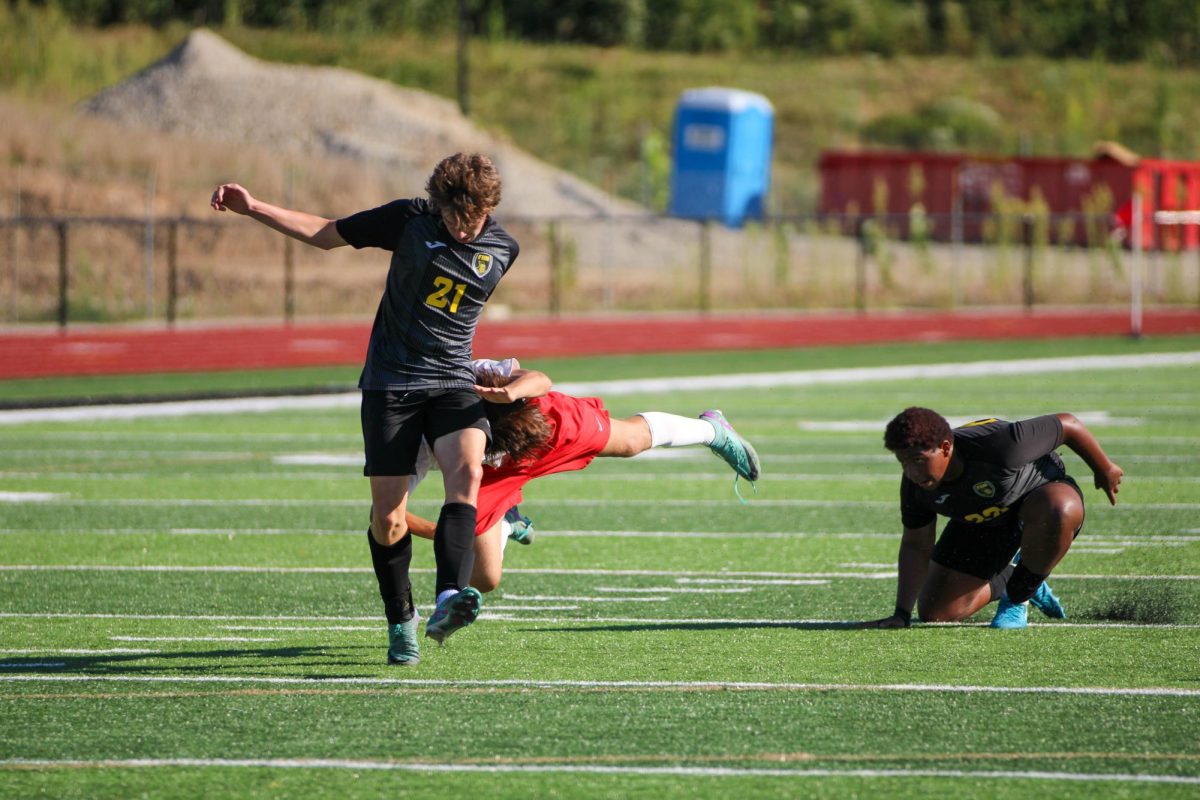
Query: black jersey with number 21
{"x":1002,"y":462}
{"x":436,"y":289}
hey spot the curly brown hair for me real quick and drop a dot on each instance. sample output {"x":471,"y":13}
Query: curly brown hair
{"x":519,"y":430}
{"x":466,"y":186}
{"x":916,"y":427}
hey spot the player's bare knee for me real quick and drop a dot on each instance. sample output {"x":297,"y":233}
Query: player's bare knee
{"x":464,"y":477}
{"x":938,"y":612}
{"x":487,"y":581}
{"x":388,"y":527}
{"x":1067,"y":512}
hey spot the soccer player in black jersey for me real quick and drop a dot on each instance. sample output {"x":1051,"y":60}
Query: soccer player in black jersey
{"x":1005,"y":490}
{"x":448,"y":255}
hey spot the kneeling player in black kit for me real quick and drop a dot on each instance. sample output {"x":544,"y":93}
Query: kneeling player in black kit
{"x":1007,"y":493}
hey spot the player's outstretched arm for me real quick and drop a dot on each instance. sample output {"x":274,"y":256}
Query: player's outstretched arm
{"x":308,"y":228}
{"x":525,"y":383}
{"x":916,"y":546}
{"x":1081,"y":441}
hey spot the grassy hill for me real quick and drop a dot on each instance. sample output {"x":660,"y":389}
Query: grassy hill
{"x":606,"y":114}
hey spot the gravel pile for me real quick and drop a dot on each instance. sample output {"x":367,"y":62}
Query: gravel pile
{"x":208,"y":88}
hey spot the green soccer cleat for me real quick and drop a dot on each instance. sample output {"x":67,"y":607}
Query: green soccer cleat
{"x":522,"y":526}
{"x":457,"y":611}
{"x":732,"y":448}
{"x":1010,"y":615}
{"x":403,"y":648}
{"x":1045,"y":601}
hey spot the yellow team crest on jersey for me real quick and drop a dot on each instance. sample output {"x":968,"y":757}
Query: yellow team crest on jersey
{"x":984,"y":489}
{"x":481,"y":263}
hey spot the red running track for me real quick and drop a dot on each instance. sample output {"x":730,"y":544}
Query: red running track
{"x":113,"y":351}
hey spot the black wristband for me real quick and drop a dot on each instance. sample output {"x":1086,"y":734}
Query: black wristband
{"x":903,"y":614}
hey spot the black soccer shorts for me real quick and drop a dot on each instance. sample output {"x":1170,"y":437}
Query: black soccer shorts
{"x":985,"y":550}
{"x":393,"y":424}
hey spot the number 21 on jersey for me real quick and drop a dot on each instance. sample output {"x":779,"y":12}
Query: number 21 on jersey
{"x":442,"y":297}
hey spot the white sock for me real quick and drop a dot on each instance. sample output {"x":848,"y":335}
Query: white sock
{"x":672,"y":430}
{"x":444,"y":593}
{"x":505,"y":530}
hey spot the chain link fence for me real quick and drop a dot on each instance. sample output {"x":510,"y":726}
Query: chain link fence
{"x":68,"y":270}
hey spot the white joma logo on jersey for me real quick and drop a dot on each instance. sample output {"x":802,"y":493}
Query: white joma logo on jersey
{"x":435,"y":245}
{"x":941,"y":499}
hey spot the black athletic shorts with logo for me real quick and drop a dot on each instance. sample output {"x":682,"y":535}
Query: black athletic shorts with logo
{"x":393,"y":424}
{"x":984,"y":550}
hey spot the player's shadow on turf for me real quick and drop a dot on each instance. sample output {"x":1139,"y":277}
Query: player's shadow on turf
{"x":122,"y":663}
{"x":685,"y":625}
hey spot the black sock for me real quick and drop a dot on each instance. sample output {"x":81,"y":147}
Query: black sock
{"x":1023,"y":584}
{"x":999,"y":581}
{"x":391,"y":570}
{"x":454,"y":546}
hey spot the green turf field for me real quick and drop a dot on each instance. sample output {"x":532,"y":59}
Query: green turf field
{"x":187,"y":606}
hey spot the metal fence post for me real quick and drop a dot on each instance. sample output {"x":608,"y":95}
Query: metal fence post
{"x":556,"y":268}
{"x":705,"y":288}
{"x":1027,"y":276}
{"x":148,"y":245}
{"x":866,"y":246}
{"x":1135,"y":274}
{"x":64,"y":273}
{"x":289,"y":280}
{"x":172,"y":270}
{"x":956,"y":250}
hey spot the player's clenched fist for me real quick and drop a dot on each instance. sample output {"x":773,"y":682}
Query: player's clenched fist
{"x":231,"y":197}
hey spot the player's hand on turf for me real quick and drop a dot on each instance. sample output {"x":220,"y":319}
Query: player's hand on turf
{"x":894,"y":621}
{"x":231,"y":197}
{"x":1109,"y":480}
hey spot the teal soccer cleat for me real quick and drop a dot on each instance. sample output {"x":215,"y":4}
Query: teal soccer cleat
{"x":457,"y":611}
{"x":1010,"y":615}
{"x":732,"y":448}
{"x":522,"y":526}
{"x":1045,"y":601}
{"x":403,"y":648}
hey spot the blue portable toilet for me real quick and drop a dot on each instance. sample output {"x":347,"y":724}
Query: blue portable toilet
{"x":722,"y":147}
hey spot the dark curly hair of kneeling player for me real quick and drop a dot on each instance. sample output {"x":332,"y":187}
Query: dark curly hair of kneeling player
{"x":916,"y":427}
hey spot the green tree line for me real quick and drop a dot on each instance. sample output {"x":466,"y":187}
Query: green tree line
{"x":1166,"y":31}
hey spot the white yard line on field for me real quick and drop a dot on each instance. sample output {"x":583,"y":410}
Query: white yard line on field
{"x":540,"y":598}
{"x":30,"y":497}
{"x":289,"y":628}
{"x":715,"y":685}
{"x":37,"y":665}
{"x":673,"y":590}
{"x":759,"y":380}
{"x":112,"y":651}
{"x":976,"y":777}
{"x":608,"y":502}
{"x":507,"y":617}
{"x":188,"y":639}
{"x":720,"y":577}
{"x":1189,"y":536}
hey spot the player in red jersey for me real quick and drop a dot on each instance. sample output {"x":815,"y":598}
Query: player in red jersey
{"x":537,"y":432}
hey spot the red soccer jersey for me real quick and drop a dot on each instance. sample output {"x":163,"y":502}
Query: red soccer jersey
{"x":580,"y":428}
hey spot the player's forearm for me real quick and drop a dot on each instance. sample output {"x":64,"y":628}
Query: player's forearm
{"x":913,"y":564}
{"x":529,"y":383}
{"x":1080,"y":440}
{"x":419,"y":526}
{"x":308,"y":228}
